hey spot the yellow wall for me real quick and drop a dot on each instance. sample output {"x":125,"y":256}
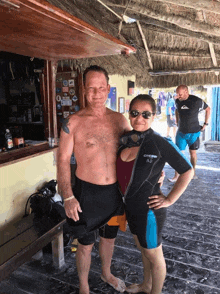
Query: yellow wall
{"x":19,"y":180}
{"x":121,"y":84}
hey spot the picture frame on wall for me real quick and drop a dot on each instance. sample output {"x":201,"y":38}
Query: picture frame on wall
{"x":111,"y":100}
{"x":121,"y":104}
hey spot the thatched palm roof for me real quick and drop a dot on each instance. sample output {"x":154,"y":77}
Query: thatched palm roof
{"x":182,"y":38}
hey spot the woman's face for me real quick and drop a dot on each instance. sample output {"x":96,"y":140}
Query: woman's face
{"x":139,"y":123}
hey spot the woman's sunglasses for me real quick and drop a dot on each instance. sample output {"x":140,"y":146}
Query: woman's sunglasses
{"x":145,"y":114}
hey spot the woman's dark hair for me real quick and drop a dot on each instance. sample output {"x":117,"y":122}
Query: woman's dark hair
{"x":146,"y":98}
{"x":97,"y":69}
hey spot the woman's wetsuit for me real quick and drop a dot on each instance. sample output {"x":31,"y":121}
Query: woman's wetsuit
{"x":141,"y":181}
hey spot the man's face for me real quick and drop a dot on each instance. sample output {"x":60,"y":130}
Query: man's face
{"x":182,"y":94}
{"x":96,"y":88}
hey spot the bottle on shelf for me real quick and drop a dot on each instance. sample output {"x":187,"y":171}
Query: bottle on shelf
{"x":8,"y":140}
{"x":18,"y":138}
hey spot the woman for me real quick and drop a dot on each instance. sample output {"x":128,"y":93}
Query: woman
{"x":141,"y":158}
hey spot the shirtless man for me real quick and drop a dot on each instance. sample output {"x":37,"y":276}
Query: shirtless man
{"x":93,"y":135}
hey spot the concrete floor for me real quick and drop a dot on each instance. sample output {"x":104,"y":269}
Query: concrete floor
{"x":191,"y":244}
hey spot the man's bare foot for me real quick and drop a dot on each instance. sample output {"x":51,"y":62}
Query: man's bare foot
{"x":136,"y":288}
{"x":116,"y":283}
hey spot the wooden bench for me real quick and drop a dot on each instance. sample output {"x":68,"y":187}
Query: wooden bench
{"x":23,"y":239}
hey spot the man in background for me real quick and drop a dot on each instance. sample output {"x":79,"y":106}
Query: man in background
{"x":188,"y":133}
{"x":171,"y":118}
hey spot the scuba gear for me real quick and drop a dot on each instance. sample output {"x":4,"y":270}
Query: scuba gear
{"x":132,"y":138}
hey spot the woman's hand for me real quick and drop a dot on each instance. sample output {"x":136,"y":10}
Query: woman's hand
{"x":158,"y":201}
{"x":72,"y":209}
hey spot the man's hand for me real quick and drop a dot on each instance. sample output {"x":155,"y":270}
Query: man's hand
{"x":72,"y":209}
{"x":203,"y":128}
{"x":158,"y":201}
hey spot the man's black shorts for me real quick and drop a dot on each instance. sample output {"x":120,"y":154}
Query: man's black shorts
{"x":106,"y":231}
{"x":98,"y":203}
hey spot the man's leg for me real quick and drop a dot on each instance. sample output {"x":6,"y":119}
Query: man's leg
{"x":168,"y":131}
{"x":174,"y":131}
{"x":83,"y":262}
{"x":106,"y":249}
{"x":193,"y":156}
{"x":193,"y":160}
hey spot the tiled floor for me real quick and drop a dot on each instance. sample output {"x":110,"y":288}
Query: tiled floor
{"x":191,"y":244}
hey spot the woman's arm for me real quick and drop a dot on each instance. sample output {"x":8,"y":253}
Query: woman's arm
{"x":159,"y":201}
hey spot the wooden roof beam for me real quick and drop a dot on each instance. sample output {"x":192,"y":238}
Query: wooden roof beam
{"x":214,"y":60}
{"x":194,"y":26}
{"x":39,"y":29}
{"x":186,"y":71}
{"x":145,"y":44}
{"x":176,"y":30}
{"x":206,"y":5}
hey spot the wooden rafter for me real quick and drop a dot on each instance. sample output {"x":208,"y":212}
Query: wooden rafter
{"x":145,"y":44}
{"x":187,"y":24}
{"x":187,"y":71}
{"x":212,"y":52}
{"x":206,"y":5}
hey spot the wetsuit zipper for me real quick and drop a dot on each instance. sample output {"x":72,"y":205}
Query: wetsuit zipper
{"x":132,"y":174}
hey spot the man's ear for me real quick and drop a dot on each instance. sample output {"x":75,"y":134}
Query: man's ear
{"x":109,"y":88}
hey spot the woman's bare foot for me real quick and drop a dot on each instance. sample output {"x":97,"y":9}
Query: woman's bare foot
{"x":136,"y":288}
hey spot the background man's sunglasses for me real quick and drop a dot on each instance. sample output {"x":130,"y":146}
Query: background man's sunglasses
{"x":145,"y":114}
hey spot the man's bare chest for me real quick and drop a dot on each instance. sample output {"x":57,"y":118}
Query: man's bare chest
{"x":98,"y":135}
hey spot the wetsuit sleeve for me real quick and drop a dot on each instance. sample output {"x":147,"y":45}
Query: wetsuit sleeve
{"x":174,"y":157}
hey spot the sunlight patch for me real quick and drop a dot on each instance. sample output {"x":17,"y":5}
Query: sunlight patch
{"x":207,"y":168}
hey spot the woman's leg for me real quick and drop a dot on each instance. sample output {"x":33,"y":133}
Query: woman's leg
{"x":146,"y":285}
{"x":154,"y":271}
{"x":158,"y":268}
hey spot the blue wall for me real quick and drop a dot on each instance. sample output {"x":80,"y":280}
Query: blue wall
{"x":215,"y":122}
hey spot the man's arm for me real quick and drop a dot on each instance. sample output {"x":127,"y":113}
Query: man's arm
{"x":177,"y":117}
{"x":65,"y":151}
{"x":207,"y":116}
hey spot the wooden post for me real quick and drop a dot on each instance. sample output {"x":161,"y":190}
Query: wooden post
{"x":82,"y":100}
{"x":58,"y":250}
{"x":49,"y":92}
